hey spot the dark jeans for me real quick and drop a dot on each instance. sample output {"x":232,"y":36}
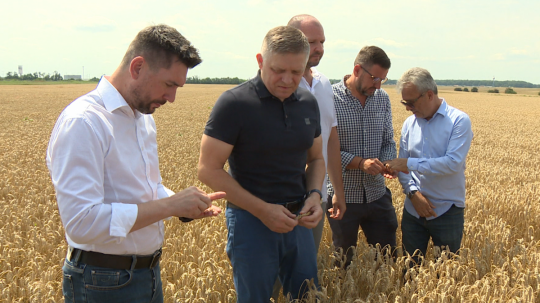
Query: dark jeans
{"x":259,"y":256}
{"x":91,"y":284}
{"x":378,"y":221}
{"x":446,"y":230}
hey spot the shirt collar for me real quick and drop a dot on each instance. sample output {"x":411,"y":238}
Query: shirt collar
{"x":112,"y":99}
{"x":263,"y":92}
{"x":442,"y":108}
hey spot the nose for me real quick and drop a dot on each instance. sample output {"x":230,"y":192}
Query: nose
{"x":286,"y":78}
{"x":171,"y":94}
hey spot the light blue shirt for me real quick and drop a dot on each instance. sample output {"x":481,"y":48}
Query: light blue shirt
{"x":436,"y":152}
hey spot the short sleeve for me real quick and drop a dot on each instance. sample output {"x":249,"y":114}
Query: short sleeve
{"x":225,"y":120}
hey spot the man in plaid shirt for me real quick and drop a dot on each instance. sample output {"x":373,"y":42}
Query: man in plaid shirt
{"x":367,"y":143}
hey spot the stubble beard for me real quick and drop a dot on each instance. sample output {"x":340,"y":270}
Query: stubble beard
{"x":143,"y":106}
{"x":363,"y":90}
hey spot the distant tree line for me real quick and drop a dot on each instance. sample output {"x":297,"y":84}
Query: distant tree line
{"x":35,"y":76}
{"x":39,"y":76}
{"x":207,"y":80}
{"x":509,"y":83}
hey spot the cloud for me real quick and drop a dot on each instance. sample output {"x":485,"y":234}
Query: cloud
{"x":516,"y":51}
{"x":344,"y":45}
{"x":228,"y":55}
{"x":96,"y":28}
{"x":497,"y":57}
{"x":387,"y":42}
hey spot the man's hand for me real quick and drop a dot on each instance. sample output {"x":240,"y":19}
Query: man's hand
{"x":398,"y":164}
{"x":423,"y":206}
{"x":278,"y":219}
{"x":194,"y":203}
{"x":212,"y":211}
{"x":311,"y":205}
{"x":388,"y":172}
{"x":338,"y":208}
{"x":372,"y":166}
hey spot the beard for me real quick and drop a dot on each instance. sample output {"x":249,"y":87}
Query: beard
{"x":144,"y":103}
{"x":314,"y":59}
{"x":366,"y":91}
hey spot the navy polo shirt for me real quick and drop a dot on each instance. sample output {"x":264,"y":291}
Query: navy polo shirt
{"x":270,"y":138}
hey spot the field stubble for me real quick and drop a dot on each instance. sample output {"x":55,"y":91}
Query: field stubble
{"x":500,"y":259}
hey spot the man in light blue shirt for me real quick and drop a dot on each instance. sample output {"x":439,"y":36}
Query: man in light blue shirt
{"x":434,"y":144}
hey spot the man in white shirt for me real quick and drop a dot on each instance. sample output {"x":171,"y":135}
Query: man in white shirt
{"x":103,"y":161}
{"x":320,"y":87}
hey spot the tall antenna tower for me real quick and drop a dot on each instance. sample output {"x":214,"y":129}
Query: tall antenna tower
{"x":493,"y":85}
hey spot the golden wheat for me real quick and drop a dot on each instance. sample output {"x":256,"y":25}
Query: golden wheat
{"x":499,"y":261}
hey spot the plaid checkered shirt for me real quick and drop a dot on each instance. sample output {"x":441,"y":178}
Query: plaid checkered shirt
{"x":365,"y":132}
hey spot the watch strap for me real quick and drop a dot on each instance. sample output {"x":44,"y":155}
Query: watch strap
{"x":314,"y":191}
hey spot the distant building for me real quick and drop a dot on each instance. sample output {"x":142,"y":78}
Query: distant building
{"x":20,"y":71}
{"x":72,"y":77}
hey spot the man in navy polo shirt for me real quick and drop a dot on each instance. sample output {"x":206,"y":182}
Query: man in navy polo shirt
{"x":270,"y":133}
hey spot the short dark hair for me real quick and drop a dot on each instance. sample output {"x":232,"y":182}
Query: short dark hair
{"x":159,"y":45}
{"x":371,"y":55}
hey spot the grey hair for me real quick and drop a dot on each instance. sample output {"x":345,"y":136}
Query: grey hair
{"x":420,"y":78}
{"x":283,"y":40}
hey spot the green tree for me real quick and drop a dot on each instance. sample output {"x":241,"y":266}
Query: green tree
{"x":494,"y":91}
{"x":474,"y":89}
{"x":465,"y":89}
{"x":457,"y":89}
{"x":509,"y":90}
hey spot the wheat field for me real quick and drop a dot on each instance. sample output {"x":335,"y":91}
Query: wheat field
{"x":499,"y":260}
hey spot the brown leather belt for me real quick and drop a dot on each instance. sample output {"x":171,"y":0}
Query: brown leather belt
{"x":293,"y":206}
{"x":115,"y":261}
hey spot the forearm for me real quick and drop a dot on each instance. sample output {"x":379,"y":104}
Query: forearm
{"x":315,"y":172}
{"x":355,"y":163}
{"x":334,"y":165}
{"x":150,"y":212}
{"x":219,"y":180}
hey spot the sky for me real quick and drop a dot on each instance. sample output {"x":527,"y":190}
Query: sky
{"x":476,"y":40}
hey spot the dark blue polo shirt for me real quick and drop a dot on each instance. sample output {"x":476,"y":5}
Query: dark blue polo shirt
{"x":270,"y":137}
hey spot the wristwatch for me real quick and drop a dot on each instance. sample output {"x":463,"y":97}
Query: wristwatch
{"x":314,"y":191}
{"x":411,"y":194}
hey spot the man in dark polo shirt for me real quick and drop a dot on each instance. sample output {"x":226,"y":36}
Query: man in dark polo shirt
{"x":269,"y":131}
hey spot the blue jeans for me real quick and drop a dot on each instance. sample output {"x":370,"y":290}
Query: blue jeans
{"x":259,"y":256}
{"x":92,"y":284}
{"x":446,"y":230}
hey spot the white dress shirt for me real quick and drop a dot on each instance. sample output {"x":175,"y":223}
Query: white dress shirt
{"x":103,"y":161}
{"x":322,"y":90}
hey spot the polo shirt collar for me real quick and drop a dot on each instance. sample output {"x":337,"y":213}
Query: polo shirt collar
{"x":263,"y":92}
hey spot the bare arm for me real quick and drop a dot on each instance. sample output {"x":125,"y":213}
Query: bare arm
{"x":336,"y":177}
{"x":315,"y":172}
{"x":214,"y":154}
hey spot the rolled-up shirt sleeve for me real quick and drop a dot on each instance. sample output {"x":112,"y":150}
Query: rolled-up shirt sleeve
{"x":77,"y":172}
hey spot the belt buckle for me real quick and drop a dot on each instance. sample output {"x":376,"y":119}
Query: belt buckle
{"x":155,"y":258}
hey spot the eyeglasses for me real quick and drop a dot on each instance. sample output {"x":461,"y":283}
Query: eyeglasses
{"x":411,"y":102}
{"x":375,"y":79}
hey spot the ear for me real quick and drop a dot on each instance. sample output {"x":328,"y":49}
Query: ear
{"x":260,"y":60}
{"x":136,"y":66}
{"x":357,"y":69}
